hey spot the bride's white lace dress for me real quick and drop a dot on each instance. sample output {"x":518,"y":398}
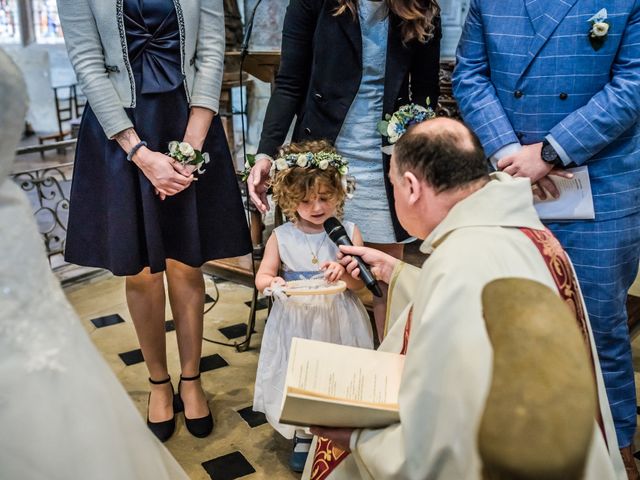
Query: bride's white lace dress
{"x":63,"y":413}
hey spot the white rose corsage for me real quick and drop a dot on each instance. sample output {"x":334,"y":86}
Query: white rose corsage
{"x":395,"y":125}
{"x":599,"y":29}
{"x":187,"y":155}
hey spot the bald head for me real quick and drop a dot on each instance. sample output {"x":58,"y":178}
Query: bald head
{"x":442,"y":152}
{"x":453,"y":129}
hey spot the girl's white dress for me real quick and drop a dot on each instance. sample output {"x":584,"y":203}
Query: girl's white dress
{"x":337,"y":318}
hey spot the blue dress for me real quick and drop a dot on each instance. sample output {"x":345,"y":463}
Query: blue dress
{"x":116,"y":221}
{"x":359,"y":140}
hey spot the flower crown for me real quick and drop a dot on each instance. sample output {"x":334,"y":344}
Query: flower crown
{"x":321,"y":160}
{"x":395,"y":125}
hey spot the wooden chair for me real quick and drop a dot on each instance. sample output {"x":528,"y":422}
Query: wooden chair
{"x":69,"y":106}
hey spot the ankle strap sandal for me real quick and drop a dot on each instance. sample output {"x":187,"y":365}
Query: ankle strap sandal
{"x":198,"y":427}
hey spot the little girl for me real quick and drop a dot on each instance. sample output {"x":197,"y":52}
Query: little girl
{"x":307,"y":181}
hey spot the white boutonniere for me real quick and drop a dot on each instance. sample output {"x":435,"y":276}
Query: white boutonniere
{"x":187,"y":155}
{"x":599,"y":29}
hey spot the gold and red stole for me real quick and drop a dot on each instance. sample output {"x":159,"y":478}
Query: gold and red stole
{"x":560,"y":268}
{"x":327,"y":456}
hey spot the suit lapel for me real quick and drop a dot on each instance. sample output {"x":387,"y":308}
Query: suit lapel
{"x":398,"y":58}
{"x":351,"y":28}
{"x":535,"y":11}
{"x":546,"y":24}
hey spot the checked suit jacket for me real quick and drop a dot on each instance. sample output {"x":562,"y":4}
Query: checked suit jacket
{"x":526,"y":69}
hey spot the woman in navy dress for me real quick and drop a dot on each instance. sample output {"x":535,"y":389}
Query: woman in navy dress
{"x":151,"y":71}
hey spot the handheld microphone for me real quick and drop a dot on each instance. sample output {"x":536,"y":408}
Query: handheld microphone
{"x":338,"y":235}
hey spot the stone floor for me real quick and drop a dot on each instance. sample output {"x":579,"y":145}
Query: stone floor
{"x":242,"y":442}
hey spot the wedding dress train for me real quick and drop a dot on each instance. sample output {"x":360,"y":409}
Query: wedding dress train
{"x":63,"y":413}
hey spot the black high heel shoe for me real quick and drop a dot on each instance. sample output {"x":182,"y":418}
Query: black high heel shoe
{"x":162,"y":430}
{"x":198,"y":427}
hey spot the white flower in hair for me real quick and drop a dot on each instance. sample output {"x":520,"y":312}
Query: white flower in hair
{"x":281,"y":164}
{"x":321,"y":160}
{"x":302,"y":160}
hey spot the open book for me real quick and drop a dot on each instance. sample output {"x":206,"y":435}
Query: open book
{"x":575,"y":201}
{"x":338,"y":386}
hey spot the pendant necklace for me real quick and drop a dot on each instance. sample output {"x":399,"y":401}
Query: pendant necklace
{"x":314,"y":256}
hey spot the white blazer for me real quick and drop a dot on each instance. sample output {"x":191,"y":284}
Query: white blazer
{"x":96,"y":41}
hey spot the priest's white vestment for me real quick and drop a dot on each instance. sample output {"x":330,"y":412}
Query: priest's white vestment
{"x":448,"y":362}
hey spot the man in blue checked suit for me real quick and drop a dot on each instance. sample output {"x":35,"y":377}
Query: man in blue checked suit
{"x":550,"y":84}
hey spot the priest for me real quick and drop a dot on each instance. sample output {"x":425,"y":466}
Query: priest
{"x":477,"y":228}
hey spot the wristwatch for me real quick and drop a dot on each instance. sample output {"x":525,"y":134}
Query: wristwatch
{"x":549,"y":154}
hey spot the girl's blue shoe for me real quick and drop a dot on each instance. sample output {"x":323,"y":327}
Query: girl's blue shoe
{"x":301,"y":445}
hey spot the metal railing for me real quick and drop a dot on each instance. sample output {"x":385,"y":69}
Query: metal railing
{"x":48,"y":190}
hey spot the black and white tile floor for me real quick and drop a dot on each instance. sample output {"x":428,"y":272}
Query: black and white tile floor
{"x":242,"y":444}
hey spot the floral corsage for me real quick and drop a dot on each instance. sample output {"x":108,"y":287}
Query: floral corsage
{"x":599,"y":29}
{"x":187,"y":155}
{"x":394,"y":126}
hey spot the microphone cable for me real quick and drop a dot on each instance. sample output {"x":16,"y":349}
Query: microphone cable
{"x":244,"y":345}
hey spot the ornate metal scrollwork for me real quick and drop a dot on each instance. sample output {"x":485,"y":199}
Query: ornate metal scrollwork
{"x":48,"y":191}
{"x":447,"y":106}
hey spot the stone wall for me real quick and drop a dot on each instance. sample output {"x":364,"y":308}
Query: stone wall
{"x":43,"y":66}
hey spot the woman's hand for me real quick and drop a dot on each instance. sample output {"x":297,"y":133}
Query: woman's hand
{"x":277,"y":281}
{"x":333,"y":271}
{"x":198,"y":126}
{"x":162,"y":172}
{"x":381,"y":264}
{"x":257,"y":183}
{"x":184,"y":170}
